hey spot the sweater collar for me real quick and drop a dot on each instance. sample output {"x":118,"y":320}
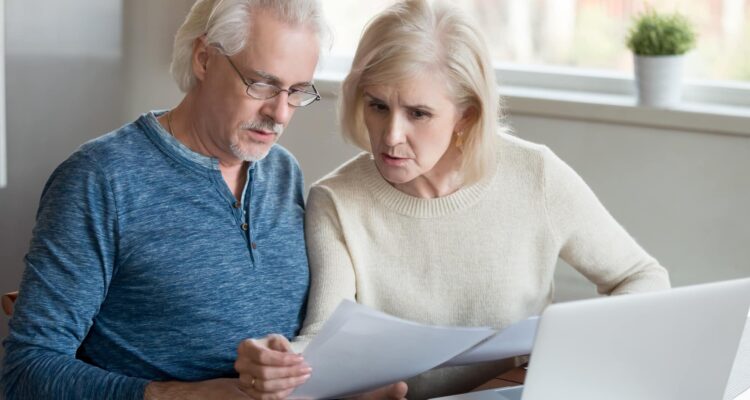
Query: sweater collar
{"x":418,"y":207}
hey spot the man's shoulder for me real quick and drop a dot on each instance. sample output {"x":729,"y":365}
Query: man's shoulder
{"x":279,"y":163}
{"x":106,"y":152}
{"x":279,"y":155}
{"x":122,"y":144}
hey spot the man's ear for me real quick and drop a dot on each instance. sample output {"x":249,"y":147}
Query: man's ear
{"x":200,"y":57}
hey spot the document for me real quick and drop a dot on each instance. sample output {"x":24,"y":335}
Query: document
{"x":515,"y":340}
{"x":738,"y":386}
{"x":360,"y":349}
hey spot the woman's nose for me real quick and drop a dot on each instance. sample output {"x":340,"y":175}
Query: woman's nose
{"x":395,"y":131}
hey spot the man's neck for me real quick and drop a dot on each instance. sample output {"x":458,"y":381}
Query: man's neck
{"x":185,"y":125}
{"x":235,"y":177}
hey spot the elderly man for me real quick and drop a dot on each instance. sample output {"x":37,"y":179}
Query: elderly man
{"x":160,"y":246}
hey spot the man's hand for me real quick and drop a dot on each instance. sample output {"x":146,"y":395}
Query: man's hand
{"x":228,"y":389}
{"x":269,"y":369}
{"x":397,"y":391}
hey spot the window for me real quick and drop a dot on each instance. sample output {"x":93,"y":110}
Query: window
{"x":583,"y":34}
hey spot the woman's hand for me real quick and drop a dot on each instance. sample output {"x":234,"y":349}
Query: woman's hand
{"x":269,"y":369}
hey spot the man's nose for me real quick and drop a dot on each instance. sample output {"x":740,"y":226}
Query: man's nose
{"x":278,"y":108}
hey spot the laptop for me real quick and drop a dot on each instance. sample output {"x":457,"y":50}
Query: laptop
{"x":673,"y":344}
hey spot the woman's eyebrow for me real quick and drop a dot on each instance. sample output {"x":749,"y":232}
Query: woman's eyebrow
{"x":410,"y":106}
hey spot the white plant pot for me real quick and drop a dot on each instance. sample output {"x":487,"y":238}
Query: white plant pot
{"x":659,"y":80}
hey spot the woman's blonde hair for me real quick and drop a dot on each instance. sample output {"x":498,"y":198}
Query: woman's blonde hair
{"x":226,"y":23}
{"x":412,"y":37}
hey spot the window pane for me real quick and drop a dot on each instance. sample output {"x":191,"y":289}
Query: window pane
{"x":580,"y":33}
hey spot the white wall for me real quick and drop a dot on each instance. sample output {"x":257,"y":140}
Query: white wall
{"x":149,"y":31}
{"x":3,"y":164}
{"x":88,"y":66}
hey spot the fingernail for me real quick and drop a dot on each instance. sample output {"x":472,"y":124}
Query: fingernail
{"x":306,"y":370}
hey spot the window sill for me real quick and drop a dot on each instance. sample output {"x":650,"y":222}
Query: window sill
{"x":622,"y":109}
{"x":599,"y":107}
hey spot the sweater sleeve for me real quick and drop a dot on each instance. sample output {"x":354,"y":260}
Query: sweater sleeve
{"x":68,"y":269}
{"x":332,"y":277}
{"x":591,"y":240}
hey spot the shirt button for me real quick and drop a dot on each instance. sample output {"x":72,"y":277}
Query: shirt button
{"x":244,"y":227}
{"x":253,"y":245}
{"x":236,"y":204}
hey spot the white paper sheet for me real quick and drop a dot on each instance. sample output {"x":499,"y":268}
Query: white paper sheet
{"x":515,"y":340}
{"x":744,"y":395}
{"x":738,"y":386}
{"x":360,"y":349}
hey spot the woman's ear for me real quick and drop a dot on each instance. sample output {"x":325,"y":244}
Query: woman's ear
{"x":468,"y":118}
{"x":200,"y":57}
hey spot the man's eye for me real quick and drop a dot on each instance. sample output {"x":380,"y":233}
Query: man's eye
{"x":262,"y":86}
{"x":305,"y":89}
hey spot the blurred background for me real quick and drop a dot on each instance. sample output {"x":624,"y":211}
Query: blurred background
{"x":580,"y":33}
{"x":77,"y":69}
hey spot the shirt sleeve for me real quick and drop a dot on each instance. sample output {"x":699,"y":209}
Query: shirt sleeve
{"x":591,"y":240}
{"x":332,"y":276}
{"x":69,"y":266}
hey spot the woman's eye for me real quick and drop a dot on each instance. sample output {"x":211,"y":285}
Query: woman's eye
{"x":378,"y":106}
{"x":419,"y":114}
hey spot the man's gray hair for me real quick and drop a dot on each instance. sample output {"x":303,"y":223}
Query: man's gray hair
{"x":226,"y":23}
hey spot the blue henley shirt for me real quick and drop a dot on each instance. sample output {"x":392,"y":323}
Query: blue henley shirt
{"x":143,"y":266}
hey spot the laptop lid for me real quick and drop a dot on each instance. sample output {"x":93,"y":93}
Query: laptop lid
{"x":673,"y":344}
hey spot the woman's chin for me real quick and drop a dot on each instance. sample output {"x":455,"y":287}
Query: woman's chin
{"x":394,"y":176}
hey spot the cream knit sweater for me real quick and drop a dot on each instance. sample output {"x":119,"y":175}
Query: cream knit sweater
{"x":482,"y":256}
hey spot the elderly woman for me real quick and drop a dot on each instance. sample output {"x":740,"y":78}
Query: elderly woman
{"x":445,"y":218}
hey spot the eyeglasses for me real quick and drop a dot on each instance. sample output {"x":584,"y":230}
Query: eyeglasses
{"x":298,"y":97}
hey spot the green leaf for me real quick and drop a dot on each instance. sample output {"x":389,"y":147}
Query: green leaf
{"x":656,"y":34}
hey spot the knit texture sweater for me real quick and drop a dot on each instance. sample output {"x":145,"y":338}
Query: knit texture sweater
{"x":482,"y":256}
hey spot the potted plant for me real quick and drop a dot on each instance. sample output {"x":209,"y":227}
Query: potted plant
{"x":659,"y":43}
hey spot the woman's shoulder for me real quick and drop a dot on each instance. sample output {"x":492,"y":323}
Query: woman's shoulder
{"x":351,"y":173}
{"x":521,"y":156}
{"x":513,"y":151}
{"x":509,"y":142}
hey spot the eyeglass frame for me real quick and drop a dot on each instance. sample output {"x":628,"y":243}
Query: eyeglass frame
{"x":277,"y":89}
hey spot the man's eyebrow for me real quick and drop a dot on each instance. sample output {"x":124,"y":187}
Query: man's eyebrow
{"x":269,"y":78}
{"x":275,"y":80}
